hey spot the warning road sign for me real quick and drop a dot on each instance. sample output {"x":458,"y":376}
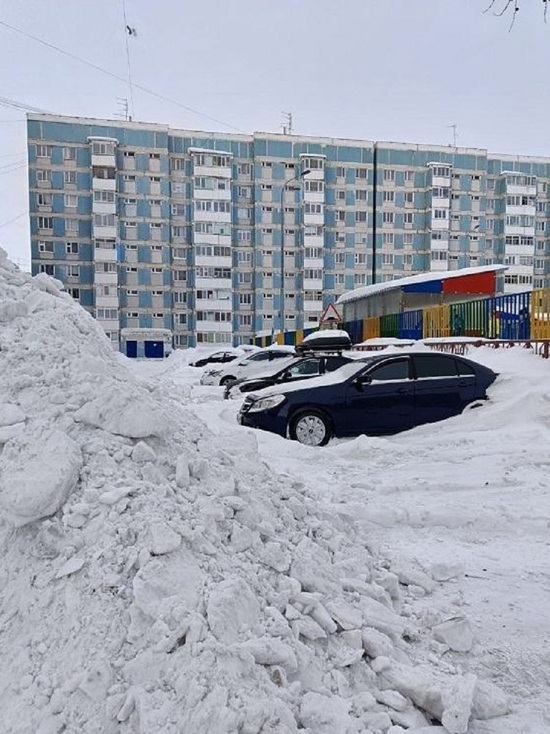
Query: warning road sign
{"x":330,"y":315}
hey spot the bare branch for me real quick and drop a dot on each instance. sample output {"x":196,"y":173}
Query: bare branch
{"x":505,"y":8}
{"x":545,"y":9}
{"x":490,"y":6}
{"x":513,"y":17}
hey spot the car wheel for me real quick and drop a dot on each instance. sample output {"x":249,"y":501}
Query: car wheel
{"x":227,"y":380}
{"x":311,"y":428}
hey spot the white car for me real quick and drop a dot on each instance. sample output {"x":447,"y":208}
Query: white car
{"x":249,"y":365}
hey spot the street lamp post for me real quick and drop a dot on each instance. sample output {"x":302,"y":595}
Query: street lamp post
{"x":282,"y":293}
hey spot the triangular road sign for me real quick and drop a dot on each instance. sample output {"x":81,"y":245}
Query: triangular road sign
{"x":330,"y":314}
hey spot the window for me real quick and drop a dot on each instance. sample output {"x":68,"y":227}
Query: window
{"x":409,"y":197}
{"x":244,"y":212}
{"x":71,"y":201}
{"x":388,"y":238}
{"x":440,"y":192}
{"x":73,"y":271}
{"x":206,"y":205}
{"x":360,"y":216}
{"x":69,"y":178}
{"x":43,"y":151}
{"x":409,"y":176}
{"x":74,"y":293}
{"x":440,"y":213}
{"x":340,"y":172}
{"x":407,"y":259}
{"x":104,"y":220}
{"x":245,"y":319}
{"x":441,"y":171}
{"x":103,"y":147}
{"x":106,"y":197}
{"x":313,"y":273}
{"x":389,"y":174}
{"x":45,"y":222}
{"x":388,"y":217}
{"x":177,"y":210}
{"x":245,"y":299}
{"x":388,"y":197}
{"x":361,"y":173}
{"x":244,"y":277}
{"x":360,"y":258}
{"x":435,"y":365}
{"x":177,"y":164}
{"x":339,"y":258}
{"x":439,"y":255}
{"x":44,"y":199}
{"x":244,"y":235}
{"x":407,"y":239}
{"x":312,"y":208}
{"x":45,"y":246}
{"x":387,"y":258}
{"x":244,"y":169}
{"x":315,"y":187}
{"x":43,"y":176}
{"x":315,"y":252}
{"x":314,"y":164}
{"x":69,"y":154}
{"x":408,"y":218}
{"x":46,"y":268}
{"x":398,"y":369}
{"x":71,"y":248}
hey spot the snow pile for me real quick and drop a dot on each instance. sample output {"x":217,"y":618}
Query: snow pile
{"x":158,"y":578}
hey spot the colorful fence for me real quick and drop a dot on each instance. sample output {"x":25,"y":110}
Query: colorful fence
{"x":513,"y":316}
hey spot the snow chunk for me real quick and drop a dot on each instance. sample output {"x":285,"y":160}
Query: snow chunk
{"x":325,"y":714}
{"x":124,"y":414}
{"x":163,"y":539}
{"x":10,"y":414}
{"x":178,"y":577}
{"x":456,"y":633}
{"x":37,"y":474}
{"x":232,"y":609}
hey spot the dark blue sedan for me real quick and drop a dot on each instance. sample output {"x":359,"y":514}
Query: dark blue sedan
{"x":381,"y":395}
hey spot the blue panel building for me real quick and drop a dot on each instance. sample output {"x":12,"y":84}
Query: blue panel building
{"x":219,"y":237}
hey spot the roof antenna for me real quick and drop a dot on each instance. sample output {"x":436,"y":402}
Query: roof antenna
{"x":287,"y":123}
{"x":455,"y":134}
{"x":129,"y":31}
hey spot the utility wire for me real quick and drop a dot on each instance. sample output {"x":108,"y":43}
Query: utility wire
{"x":12,"y":168}
{"x":10,"y":221}
{"x":14,"y":105}
{"x":116,"y":76}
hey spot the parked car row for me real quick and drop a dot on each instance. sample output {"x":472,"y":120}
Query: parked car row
{"x":380,"y":394}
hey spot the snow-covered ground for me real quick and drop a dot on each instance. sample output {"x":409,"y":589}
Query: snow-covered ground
{"x":166,"y":571}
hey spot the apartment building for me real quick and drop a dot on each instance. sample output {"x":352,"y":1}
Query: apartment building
{"x":220,"y":237}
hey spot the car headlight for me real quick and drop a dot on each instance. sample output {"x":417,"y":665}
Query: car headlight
{"x":266,"y":403}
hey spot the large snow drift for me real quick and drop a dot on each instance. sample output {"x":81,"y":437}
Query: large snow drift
{"x":159,"y":578}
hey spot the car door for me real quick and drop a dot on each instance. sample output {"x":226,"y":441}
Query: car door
{"x":442,"y":387}
{"x":380,"y":400}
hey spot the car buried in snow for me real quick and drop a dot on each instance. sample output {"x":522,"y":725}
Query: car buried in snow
{"x":250,"y":364}
{"x":382,"y":394}
{"x":302,"y":368}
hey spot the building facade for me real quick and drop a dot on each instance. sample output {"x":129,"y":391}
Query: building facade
{"x":221,"y":237}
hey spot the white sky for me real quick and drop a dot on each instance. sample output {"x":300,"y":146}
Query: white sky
{"x":375,"y":69}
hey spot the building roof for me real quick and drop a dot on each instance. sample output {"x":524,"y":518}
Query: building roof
{"x":392,"y":285}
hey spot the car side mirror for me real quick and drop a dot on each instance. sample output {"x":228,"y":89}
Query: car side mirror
{"x":286,"y":375}
{"x":362,"y":380}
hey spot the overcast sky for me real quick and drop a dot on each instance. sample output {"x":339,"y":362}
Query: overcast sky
{"x":401,"y":70}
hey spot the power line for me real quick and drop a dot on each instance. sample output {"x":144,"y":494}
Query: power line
{"x":14,"y":105}
{"x":10,"y":221}
{"x":116,"y":76}
{"x":11,"y":168}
